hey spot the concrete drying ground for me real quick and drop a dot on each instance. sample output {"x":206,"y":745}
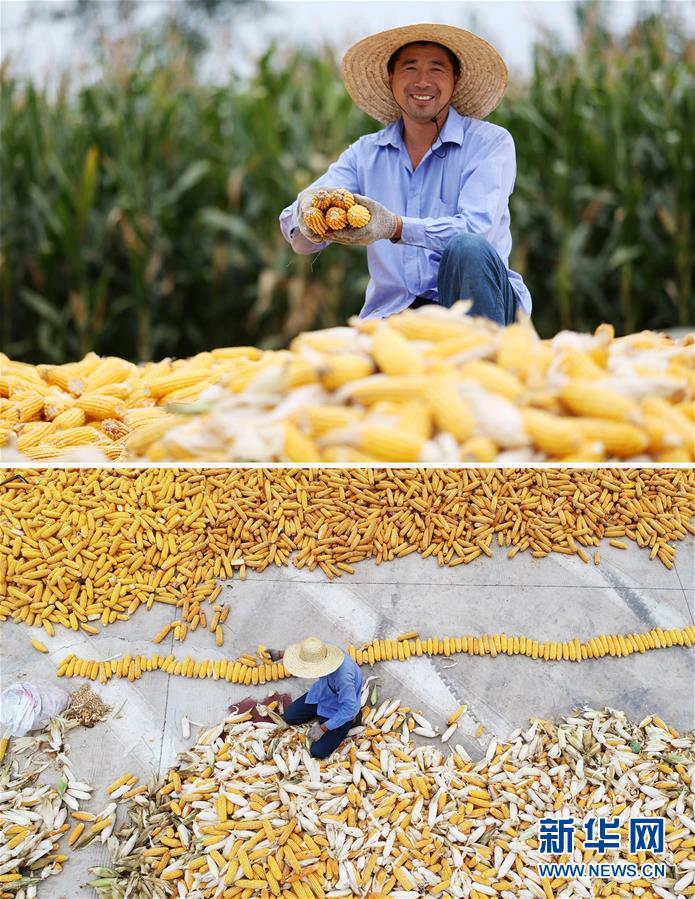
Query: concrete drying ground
{"x":557,"y":598}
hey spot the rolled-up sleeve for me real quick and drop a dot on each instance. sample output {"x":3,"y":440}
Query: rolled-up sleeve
{"x":341,"y":173}
{"x":482,"y":201}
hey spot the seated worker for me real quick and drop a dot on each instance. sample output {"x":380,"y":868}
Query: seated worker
{"x":334,"y":700}
{"x":436,"y":180}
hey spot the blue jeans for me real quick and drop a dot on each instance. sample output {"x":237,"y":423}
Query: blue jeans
{"x":471,"y":268}
{"x":301,"y":712}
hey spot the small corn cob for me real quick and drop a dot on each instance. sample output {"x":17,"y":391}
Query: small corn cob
{"x":588,"y":398}
{"x":358,"y":216}
{"x":493,"y":378}
{"x":336,"y":218}
{"x":395,"y":355}
{"x":390,"y":443}
{"x":343,"y":368}
{"x":70,"y":418}
{"x":556,"y":436}
{"x":450,"y":412}
{"x":619,"y":438}
{"x":342,"y":198}
{"x":322,"y":200}
{"x":298,"y":447}
{"x":100,"y":406}
{"x":316,"y":220}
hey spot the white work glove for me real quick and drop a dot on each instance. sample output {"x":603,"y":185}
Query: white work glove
{"x":381,"y":226}
{"x":316,"y":732}
{"x":304,"y":205}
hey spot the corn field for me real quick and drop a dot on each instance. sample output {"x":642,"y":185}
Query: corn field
{"x":139,"y":212}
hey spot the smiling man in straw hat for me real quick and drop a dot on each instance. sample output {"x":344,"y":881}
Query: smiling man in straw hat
{"x":436,"y":180}
{"x":334,"y":700}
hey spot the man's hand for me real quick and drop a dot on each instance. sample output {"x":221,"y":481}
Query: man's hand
{"x":303,"y":206}
{"x":383,"y":225}
{"x":316,"y":732}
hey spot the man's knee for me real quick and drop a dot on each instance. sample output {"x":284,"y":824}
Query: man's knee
{"x":319,"y":752}
{"x":467,"y":246}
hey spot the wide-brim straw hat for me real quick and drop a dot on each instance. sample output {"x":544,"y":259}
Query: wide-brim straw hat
{"x":481,"y":84}
{"x":312,"y":658}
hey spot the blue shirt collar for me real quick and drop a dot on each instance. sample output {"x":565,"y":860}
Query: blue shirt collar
{"x":451,"y":133}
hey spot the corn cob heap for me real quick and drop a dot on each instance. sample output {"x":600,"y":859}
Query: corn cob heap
{"x":260,"y":669}
{"x":248,"y":813}
{"x":81,"y":547}
{"x":334,"y":211}
{"x":433,"y":385}
{"x":426,"y":385}
{"x":105,"y":403}
{"x":35,"y":816}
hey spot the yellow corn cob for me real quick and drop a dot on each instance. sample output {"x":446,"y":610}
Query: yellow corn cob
{"x":390,"y":444}
{"x":421,"y":325}
{"x":316,"y":220}
{"x":358,"y":216}
{"x":322,"y":419}
{"x":39,"y":646}
{"x":493,"y":378}
{"x":109,"y":371}
{"x":576,"y":364}
{"x":394,"y":354}
{"x":29,"y":407}
{"x":116,"y":430}
{"x":79,"y":436}
{"x":516,"y":348}
{"x":555,"y":436}
{"x":100,"y":406}
{"x":70,"y":418}
{"x":662,"y":437}
{"x":54,"y":404}
{"x":299,"y":372}
{"x":343,"y":368}
{"x":416,"y":416}
{"x":342,"y":198}
{"x":33,"y":433}
{"x":451,"y":413}
{"x":298,"y":447}
{"x":150,"y":432}
{"x":619,"y":438}
{"x":322,"y":199}
{"x":159,"y":387}
{"x":376,"y":388}
{"x":586,"y":398}
{"x":674,"y":418}
{"x":336,"y":218}
{"x":479,"y":449}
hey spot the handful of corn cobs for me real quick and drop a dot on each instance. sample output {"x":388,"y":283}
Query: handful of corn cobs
{"x":335,"y":210}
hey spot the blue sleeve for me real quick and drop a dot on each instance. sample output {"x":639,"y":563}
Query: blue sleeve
{"x":342,"y":173}
{"x":348,"y":703}
{"x":482,"y":201}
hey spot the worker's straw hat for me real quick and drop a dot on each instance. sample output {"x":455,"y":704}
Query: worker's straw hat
{"x":480,"y":87}
{"x":312,"y":658}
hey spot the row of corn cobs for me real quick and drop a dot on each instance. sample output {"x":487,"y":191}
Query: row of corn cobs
{"x":248,"y":670}
{"x":426,"y":385}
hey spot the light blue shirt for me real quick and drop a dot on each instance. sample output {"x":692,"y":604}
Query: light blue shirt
{"x":467,"y":191}
{"x":337,"y":694}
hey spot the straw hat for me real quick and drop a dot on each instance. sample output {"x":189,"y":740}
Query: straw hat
{"x":312,"y":658}
{"x":480,"y":87}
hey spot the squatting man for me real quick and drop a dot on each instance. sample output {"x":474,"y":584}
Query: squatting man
{"x":436,"y":180}
{"x":333,"y":702}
